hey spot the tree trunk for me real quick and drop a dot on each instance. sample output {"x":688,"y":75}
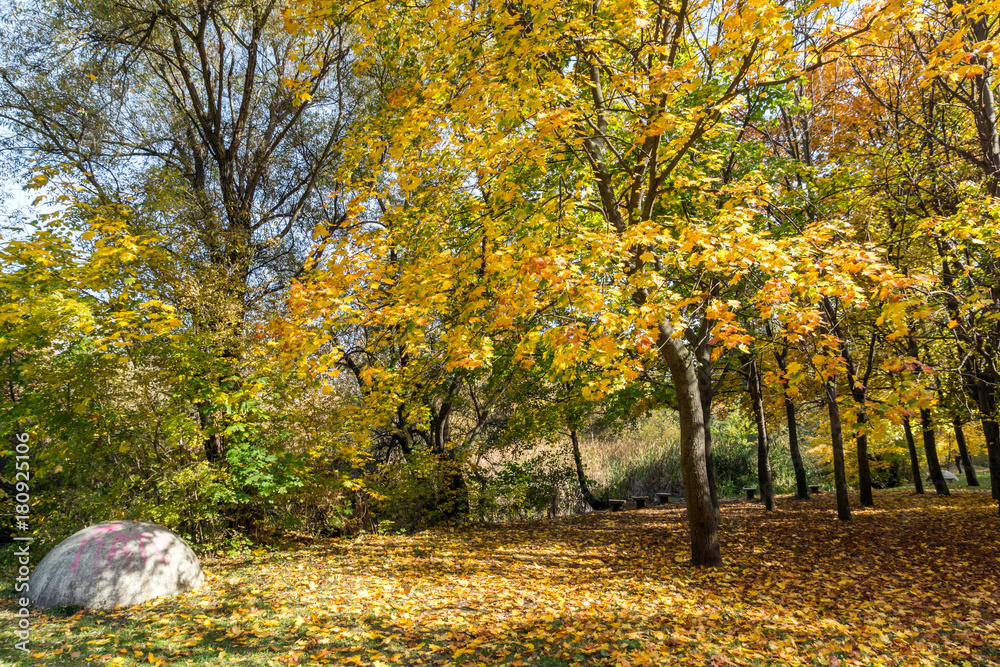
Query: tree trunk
{"x":963,"y":451}
{"x":801,"y":481}
{"x":991,"y":432}
{"x":763,"y":449}
{"x":837,"y":442}
{"x":456,"y":502}
{"x":858,"y":394}
{"x":918,"y":482}
{"x":215,"y":449}
{"x":930,"y":451}
{"x":984,"y":110}
{"x":212,"y":442}
{"x":706,"y":394}
{"x":588,"y":497}
{"x":224,"y":374}
{"x":864,"y":469}
{"x":702,"y":517}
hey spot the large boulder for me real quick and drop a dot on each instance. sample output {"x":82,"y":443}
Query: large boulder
{"x":115,"y":563}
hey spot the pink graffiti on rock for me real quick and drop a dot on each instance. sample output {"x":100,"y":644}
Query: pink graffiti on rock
{"x":113,"y":528}
{"x":152,"y":543}
{"x":121,"y":546}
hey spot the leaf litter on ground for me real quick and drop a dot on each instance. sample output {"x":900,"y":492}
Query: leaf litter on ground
{"x":913,"y":581}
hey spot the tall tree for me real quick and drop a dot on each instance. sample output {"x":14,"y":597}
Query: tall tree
{"x":963,"y":452}
{"x":918,"y":483}
{"x":756,"y":392}
{"x":600,"y":130}
{"x":931,"y":90}
{"x":791,"y":421}
{"x":220,"y":131}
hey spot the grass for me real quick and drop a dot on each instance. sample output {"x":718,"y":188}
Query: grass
{"x":913,"y":581}
{"x":645,"y":459}
{"x":635,"y":462}
{"x":982,"y":476}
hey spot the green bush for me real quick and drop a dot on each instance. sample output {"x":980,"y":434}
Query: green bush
{"x":531,"y":487}
{"x":885,"y":469}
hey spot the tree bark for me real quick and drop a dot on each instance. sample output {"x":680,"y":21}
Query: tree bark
{"x":801,"y":481}
{"x":963,"y":451}
{"x":984,"y":108}
{"x":702,"y":518}
{"x":930,"y":451}
{"x":763,"y":449}
{"x":588,"y":497}
{"x":837,"y":442}
{"x":456,"y":497}
{"x":706,"y":394}
{"x":918,"y":482}
{"x":991,"y":432}
{"x":859,"y":392}
{"x":456,"y":501}
{"x":859,"y":396}
{"x":212,"y":442}
{"x":864,"y":469}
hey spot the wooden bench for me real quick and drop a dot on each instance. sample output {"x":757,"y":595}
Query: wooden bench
{"x":750,"y":491}
{"x":814,"y":488}
{"x":640,"y":501}
{"x":663,"y":498}
{"x":616,"y":505}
